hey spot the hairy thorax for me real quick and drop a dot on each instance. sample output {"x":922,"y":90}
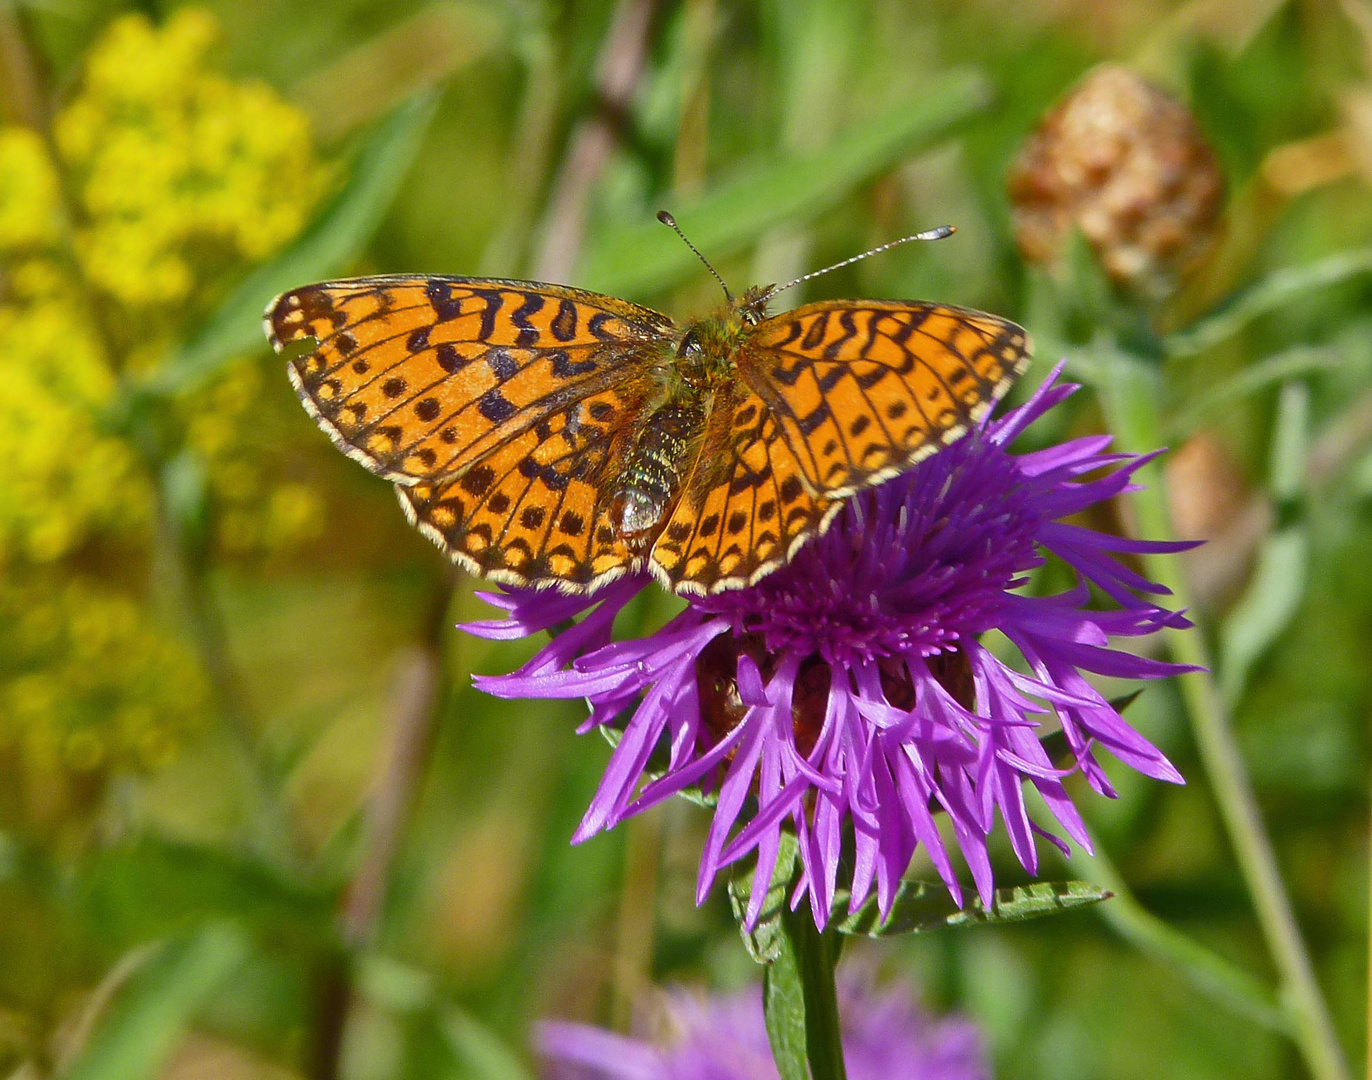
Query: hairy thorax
{"x":654,"y":472}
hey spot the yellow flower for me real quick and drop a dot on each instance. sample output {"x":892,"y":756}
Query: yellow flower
{"x":65,"y":478}
{"x":182,"y":173}
{"x":91,"y":681}
{"x":29,"y":203}
{"x":183,"y":179}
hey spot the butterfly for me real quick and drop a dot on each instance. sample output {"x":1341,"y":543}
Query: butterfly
{"x":546,"y":436}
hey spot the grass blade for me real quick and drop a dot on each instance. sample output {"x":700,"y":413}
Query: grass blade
{"x":1272,"y":292}
{"x":643,"y":257}
{"x":140,"y":1030}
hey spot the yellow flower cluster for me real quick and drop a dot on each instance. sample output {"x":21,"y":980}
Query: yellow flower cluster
{"x":29,"y":204}
{"x":64,"y":478}
{"x":179,"y":171}
{"x":170,"y":181}
{"x":92,"y":683}
{"x":257,"y":511}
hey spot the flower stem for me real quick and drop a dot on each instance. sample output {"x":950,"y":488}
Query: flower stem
{"x":1131,"y":396}
{"x":818,"y":955}
{"x":1210,"y":973}
{"x":801,"y":1000}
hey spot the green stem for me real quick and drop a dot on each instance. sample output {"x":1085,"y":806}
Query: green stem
{"x":818,"y":955}
{"x":800,"y":1000}
{"x":1207,"y":971}
{"x":1131,"y":396}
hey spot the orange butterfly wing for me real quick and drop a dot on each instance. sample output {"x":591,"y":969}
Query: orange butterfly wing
{"x":864,"y":389}
{"x":531,"y":511}
{"x":746,"y":507}
{"x":496,"y":406}
{"x":420,"y":377}
{"x":832,"y":398}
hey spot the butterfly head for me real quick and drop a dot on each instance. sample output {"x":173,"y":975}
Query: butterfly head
{"x":751,"y":308}
{"x":706,"y":345}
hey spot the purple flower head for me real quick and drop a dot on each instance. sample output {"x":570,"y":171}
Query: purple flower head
{"x":851,"y":689}
{"x":885,"y":1035}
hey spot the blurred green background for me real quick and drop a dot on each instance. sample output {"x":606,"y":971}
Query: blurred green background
{"x":254,"y":821}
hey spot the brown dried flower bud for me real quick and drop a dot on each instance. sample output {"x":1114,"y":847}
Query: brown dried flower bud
{"x":1127,"y":164}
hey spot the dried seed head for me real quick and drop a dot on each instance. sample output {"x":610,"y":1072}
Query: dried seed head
{"x":1127,"y":164}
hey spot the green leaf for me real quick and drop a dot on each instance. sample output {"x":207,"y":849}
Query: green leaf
{"x":1277,"y":587}
{"x":922,"y":906}
{"x":800,"y":1000}
{"x":642,"y":257}
{"x":764,"y":940}
{"x":783,"y":1007}
{"x":327,"y":246}
{"x":1266,"y":607}
{"x":477,"y":1050}
{"x":798,"y":996}
{"x":1253,"y":379}
{"x":1272,"y":292}
{"x":134,"y":1038}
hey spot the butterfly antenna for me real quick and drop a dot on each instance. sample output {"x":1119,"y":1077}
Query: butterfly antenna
{"x":941,"y":233}
{"x":670,"y":222}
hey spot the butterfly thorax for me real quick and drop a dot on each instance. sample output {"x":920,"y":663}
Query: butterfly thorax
{"x":701,"y":361}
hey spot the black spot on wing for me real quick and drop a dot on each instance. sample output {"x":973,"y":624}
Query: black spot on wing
{"x":449,"y":359}
{"x":503,"y":366}
{"x":564,"y":322}
{"x":528,"y":333}
{"x":819,"y":326}
{"x":597,"y":327}
{"x":494,"y":406}
{"x":446,"y":306}
{"x":564,"y":367}
{"x":494,"y":300}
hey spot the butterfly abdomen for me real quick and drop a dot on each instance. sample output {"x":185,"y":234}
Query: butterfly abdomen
{"x":655,"y":468}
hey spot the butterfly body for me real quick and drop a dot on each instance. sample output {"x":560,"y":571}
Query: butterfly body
{"x":547,"y":436}
{"x":702,"y":363}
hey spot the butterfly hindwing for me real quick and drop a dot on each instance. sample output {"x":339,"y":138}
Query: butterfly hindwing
{"x":864,"y":389}
{"x":420,"y":377}
{"x":745,"y":509}
{"x":532,"y":511}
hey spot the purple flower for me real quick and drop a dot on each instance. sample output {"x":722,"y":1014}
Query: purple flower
{"x":885,"y":1035}
{"x":852,"y":688}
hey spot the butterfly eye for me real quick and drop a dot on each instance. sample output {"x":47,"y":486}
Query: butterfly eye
{"x":690,"y":345}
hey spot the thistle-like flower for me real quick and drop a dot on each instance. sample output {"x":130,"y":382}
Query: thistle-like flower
{"x":885,"y":1035}
{"x":854,"y":689}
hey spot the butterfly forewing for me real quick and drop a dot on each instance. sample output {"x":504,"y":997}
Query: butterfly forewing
{"x":420,"y":377}
{"x":864,"y":389}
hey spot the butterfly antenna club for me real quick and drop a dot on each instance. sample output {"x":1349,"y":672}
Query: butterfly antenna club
{"x":941,"y":233}
{"x":670,"y":222}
